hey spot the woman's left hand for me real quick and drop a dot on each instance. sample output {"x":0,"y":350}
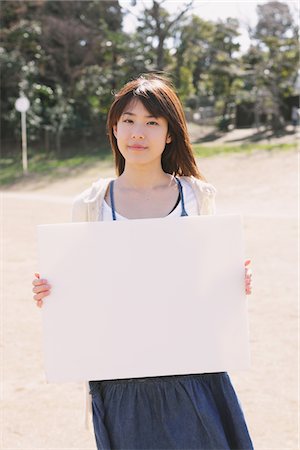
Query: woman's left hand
{"x":248,"y":277}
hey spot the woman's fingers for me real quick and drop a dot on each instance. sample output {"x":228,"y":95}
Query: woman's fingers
{"x":248,"y":277}
{"x":38,"y":282}
{"x":248,"y":285}
{"x":41,"y":295}
{"x":41,"y":289}
{"x":248,"y":271}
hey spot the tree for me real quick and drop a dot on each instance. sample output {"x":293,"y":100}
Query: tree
{"x":193,"y":43}
{"x":64,"y":56}
{"x":156,"y":26}
{"x":79,"y":40}
{"x":225,"y":69}
{"x":273,"y":60}
{"x":77,"y":34}
{"x":19,"y":56}
{"x":208,"y":50}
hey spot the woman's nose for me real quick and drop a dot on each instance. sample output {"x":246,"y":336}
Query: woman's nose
{"x":137,"y":132}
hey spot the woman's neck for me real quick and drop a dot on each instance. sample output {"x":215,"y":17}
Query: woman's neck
{"x":143,"y":178}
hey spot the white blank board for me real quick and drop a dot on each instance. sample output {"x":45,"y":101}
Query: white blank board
{"x":140,"y":298}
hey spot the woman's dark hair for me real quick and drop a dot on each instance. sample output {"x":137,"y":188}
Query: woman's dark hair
{"x":158,"y":96}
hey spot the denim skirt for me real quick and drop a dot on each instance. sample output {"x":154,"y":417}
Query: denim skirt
{"x":179,"y":412}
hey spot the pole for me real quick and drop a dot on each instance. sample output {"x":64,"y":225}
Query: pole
{"x":24,"y":143}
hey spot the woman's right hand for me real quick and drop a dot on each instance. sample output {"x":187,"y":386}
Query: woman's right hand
{"x":41,"y":289}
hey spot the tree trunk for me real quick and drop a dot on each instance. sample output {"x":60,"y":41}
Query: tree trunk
{"x":160,"y":53}
{"x":58,"y":141}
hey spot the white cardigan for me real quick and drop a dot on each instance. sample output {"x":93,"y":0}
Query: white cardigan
{"x":87,"y":207}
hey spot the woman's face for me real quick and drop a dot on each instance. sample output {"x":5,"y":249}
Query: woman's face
{"x":141,"y":137}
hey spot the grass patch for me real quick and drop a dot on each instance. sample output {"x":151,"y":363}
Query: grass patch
{"x":206,"y":151}
{"x":43,"y":165}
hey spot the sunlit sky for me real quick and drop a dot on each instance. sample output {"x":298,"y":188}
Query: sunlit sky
{"x":244,"y":11}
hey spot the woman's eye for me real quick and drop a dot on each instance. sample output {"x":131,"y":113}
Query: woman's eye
{"x":152,"y":122}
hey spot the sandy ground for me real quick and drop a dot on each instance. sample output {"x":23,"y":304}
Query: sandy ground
{"x":263,"y":187}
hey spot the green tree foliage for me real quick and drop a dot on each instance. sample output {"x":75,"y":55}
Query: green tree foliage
{"x":69,"y":56}
{"x":64,"y":57}
{"x":225,"y":69}
{"x":156,"y":26}
{"x":209,"y":51}
{"x":272,"y":61}
{"x":194,"y":41}
{"x":20,"y":53}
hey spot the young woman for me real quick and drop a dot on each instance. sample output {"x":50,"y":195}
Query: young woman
{"x":157,"y":177}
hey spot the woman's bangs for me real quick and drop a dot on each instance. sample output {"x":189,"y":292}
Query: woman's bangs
{"x":151,"y":102}
{"x":154,"y":105}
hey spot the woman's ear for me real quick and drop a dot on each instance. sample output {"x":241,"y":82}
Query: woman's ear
{"x":115,"y":131}
{"x":169,"y":139}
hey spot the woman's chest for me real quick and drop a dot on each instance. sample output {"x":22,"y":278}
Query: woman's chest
{"x":143,"y":205}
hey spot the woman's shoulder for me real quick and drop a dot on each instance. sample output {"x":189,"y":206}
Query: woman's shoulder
{"x":200,"y":185}
{"x":87,"y":198}
{"x":90,"y":194}
{"x":204,"y":193}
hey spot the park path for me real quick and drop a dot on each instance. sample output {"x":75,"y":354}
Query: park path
{"x":263,"y":187}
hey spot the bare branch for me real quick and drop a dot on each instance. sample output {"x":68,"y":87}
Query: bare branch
{"x":178,"y":17}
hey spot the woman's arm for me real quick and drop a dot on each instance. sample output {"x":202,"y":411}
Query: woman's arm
{"x":248,"y":277}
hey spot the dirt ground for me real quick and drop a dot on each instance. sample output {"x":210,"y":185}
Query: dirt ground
{"x":262,"y":186}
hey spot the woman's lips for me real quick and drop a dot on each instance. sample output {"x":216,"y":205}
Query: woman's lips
{"x":137,"y":147}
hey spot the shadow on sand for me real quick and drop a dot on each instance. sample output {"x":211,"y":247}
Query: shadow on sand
{"x":244,"y":135}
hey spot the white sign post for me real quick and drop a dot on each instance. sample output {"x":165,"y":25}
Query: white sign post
{"x":22,"y":105}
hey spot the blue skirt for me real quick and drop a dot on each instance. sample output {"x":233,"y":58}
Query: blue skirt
{"x":181,"y":412}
